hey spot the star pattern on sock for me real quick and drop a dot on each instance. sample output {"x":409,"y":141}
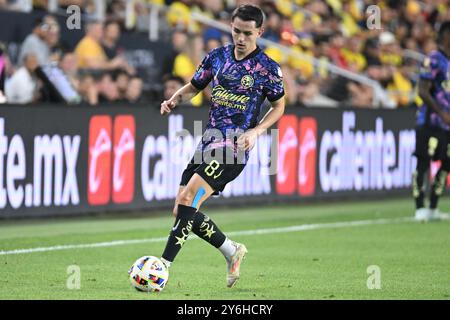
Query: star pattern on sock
{"x":181,"y":240}
{"x":184,"y":234}
{"x":209,"y":232}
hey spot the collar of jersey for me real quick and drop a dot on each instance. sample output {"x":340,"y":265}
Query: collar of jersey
{"x":250,"y":55}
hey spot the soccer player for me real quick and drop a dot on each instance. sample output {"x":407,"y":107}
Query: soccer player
{"x":432,"y":126}
{"x":242,"y":78}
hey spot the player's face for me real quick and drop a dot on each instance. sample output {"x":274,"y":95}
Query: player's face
{"x":244,"y":35}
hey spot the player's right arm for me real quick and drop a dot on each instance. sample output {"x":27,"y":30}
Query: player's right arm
{"x":185,"y":93}
{"x":200,"y":80}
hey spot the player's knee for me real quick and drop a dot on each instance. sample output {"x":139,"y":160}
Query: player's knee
{"x":175,"y":211}
{"x":186,"y":197}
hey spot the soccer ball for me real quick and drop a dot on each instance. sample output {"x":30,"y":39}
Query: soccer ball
{"x":148,"y":274}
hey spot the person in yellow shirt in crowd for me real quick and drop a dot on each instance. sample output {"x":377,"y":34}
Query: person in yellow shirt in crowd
{"x":390,"y":50}
{"x":90,"y":53}
{"x":399,"y":87}
{"x":352,"y":53}
{"x":187,"y":61}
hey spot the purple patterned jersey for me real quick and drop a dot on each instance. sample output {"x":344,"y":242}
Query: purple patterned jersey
{"x":239,"y":87}
{"x":436,"y":68}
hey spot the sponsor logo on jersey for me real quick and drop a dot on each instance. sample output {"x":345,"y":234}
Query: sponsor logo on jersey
{"x":224,"y":97}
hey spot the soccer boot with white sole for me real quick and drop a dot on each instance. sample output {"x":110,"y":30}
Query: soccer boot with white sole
{"x":234,"y":264}
{"x":434,"y":215}
{"x":422,"y":215}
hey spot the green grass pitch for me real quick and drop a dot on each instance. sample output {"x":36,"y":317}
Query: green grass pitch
{"x":330,"y":261}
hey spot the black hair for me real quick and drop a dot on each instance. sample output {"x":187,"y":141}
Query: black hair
{"x":249,"y":12}
{"x":110,"y":22}
{"x":172,"y":77}
{"x":37,"y":22}
{"x":443,"y":29}
{"x":118,"y":72}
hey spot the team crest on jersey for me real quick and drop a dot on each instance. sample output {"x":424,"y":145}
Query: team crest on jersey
{"x":247,"y":81}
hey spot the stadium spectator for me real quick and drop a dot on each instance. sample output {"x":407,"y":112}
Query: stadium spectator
{"x":22,"y":86}
{"x":52,"y":39}
{"x":36,"y":43}
{"x":171,"y":85}
{"x":69,"y":65}
{"x":328,"y":30}
{"x":309,"y":95}
{"x":90,"y":52}
{"x":178,"y":15}
{"x":110,"y":37}
{"x":337,"y":42}
{"x":134,"y":90}
{"x":87,"y":88}
{"x":16,"y":5}
{"x":116,"y":11}
{"x":371,"y":52}
{"x":122,"y":80}
{"x":399,"y":87}
{"x":273,"y":26}
{"x":178,"y":41}
{"x":213,"y":37}
{"x":336,"y":88}
{"x":352,"y":54}
{"x":187,"y":60}
{"x":361,"y":95}
{"x":390,"y":52}
{"x":212,"y":7}
{"x":107,"y":89}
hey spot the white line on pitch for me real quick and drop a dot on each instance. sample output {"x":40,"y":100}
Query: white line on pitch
{"x":303,"y":227}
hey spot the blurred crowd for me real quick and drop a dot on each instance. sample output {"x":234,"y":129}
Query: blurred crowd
{"x":385,"y":43}
{"x":381,"y":40}
{"x":95,"y":68}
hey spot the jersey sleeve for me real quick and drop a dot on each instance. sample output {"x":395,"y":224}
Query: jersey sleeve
{"x":431,"y":67}
{"x":204,"y":74}
{"x":274,"y":88}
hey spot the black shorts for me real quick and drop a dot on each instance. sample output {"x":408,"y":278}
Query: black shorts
{"x":217,"y":173}
{"x":432,"y":143}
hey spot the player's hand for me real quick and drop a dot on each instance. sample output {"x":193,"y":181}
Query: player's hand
{"x":167,"y":106}
{"x":247,"y":140}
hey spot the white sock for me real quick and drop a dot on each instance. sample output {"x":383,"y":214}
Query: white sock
{"x":167,"y":263}
{"x":228,"y":249}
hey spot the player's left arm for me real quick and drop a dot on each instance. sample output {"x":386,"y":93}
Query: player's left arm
{"x":248,"y":139}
